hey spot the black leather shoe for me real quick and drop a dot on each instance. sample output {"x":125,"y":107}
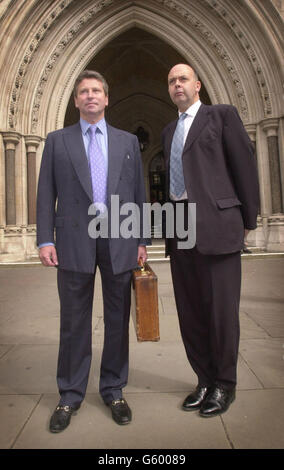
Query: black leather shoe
{"x":61,"y":418}
{"x":120,"y":410}
{"x":217,"y":402}
{"x":194,"y":400}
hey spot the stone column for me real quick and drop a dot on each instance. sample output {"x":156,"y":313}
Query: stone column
{"x":256,"y":237}
{"x":32,"y":143}
{"x":276,"y":219}
{"x":270,"y":127}
{"x":251,"y":130}
{"x":11,"y":139}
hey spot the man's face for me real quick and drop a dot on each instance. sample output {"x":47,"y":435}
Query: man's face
{"x":183,"y":86}
{"x":91,"y":100}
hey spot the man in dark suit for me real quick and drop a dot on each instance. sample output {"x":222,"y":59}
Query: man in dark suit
{"x":90,"y":162}
{"x":210,"y":162}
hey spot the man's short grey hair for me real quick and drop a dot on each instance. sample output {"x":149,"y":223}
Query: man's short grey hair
{"x":90,"y":74}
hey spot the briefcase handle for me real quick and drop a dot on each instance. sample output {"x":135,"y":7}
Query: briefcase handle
{"x":143,"y":268}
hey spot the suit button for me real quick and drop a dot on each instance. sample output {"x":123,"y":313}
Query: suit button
{"x":75,"y":224}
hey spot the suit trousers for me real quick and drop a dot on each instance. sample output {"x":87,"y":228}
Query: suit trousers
{"x":76,"y":291}
{"x":207,"y":295}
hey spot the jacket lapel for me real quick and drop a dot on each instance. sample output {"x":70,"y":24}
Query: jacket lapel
{"x":116,"y":156}
{"x":75,"y":146}
{"x":169,"y":138}
{"x":198,"y":124}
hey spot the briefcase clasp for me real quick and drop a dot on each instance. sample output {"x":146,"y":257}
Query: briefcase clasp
{"x":144,"y":271}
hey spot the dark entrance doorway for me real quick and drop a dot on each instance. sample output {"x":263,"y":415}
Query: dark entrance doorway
{"x":136,"y":65}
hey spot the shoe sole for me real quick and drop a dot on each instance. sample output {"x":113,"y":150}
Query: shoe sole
{"x":121,"y":423}
{"x":216,"y":413}
{"x":191,"y":409}
{"x":55,"y":431}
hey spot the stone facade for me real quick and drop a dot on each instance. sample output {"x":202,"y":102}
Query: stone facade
{"x":235,"y":46}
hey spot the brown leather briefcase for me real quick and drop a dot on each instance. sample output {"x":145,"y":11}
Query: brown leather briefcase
{"x":144,"y":304}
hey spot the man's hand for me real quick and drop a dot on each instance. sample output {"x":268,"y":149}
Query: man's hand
{"x":246,"y":232}
{"x":48,"y":255}
{"x":142,"y":253}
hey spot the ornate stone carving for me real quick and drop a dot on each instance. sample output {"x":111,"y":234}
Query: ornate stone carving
{"x":246,"y":46}
{"x":11,"y":139}
{"x":68,"y":37}
{"x":216,"y":45}
{"x":12,"y":230}
{"x":175,"y":6}
{"x":27,"y":58}
{"x":31,"y":229}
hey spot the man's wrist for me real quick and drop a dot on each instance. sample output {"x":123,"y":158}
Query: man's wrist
{"x":45,"y":244}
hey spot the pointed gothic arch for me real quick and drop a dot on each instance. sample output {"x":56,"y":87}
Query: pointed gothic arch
{"x":236,"y":50}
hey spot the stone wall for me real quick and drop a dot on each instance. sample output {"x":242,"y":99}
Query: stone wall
{"x":235,"y":46}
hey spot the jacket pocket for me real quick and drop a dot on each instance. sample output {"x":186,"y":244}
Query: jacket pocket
{"x":228,"y":202}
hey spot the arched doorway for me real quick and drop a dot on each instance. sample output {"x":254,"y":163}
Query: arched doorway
{"x":135,"y":65}
{"x":157,"y":179}
{"x":236,"y":51}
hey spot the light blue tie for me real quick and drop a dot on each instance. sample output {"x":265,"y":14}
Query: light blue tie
{"x":97,"y":167}
{"x":177,"y":186}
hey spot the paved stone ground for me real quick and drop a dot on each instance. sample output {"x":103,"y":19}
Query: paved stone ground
{"x":160,"y":376}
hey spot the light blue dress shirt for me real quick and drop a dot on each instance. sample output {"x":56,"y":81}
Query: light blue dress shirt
{"x":102,"y":138}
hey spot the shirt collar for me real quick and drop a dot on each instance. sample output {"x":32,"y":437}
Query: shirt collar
{"x":101,"y":125}
{"x":192,"y":110}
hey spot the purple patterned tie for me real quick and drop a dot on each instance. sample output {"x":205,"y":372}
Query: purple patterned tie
{"x":97,"y":167}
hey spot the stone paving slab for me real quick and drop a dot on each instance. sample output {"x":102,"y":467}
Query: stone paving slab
{"x":255,"y":420}
{"x":158,"y":367}
{"x":249,"y":328}
{"x":15,"y":412}
{"x":265,"y":358}
{"x":28,"y":369}
{"x":158,"y":423}
{"x":159,"y":377}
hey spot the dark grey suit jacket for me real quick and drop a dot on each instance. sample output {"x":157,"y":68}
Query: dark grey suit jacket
{"x":220,"y":177}
{"x":65,"y":194}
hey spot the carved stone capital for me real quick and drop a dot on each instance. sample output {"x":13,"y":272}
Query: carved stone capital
{"x":11,"y":139}
{"x":270,"y":126}
{"x":251,"y":130}
{"x":32,"y":142}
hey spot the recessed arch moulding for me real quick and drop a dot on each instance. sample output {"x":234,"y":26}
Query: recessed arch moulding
{"x":235,"y":51}
{"x":58,"y":67}
{"x":199,"y":31}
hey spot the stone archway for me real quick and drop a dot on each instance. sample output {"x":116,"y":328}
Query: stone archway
{"x":235,"y":50}
{"x":136,"y":64}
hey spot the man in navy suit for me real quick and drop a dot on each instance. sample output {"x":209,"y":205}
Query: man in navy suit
{"x":210,"y":162}
{"x":68,"y":185}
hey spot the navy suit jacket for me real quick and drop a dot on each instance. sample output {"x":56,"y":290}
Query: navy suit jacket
{"x":65,"y":194}
{"x":220,"y":175}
